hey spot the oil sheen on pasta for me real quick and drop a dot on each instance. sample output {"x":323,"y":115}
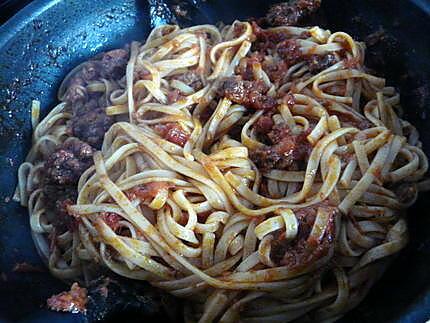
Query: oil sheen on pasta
{"x":263,"y":174}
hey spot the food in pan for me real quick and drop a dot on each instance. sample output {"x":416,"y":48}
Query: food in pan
{"x":263,"y":174}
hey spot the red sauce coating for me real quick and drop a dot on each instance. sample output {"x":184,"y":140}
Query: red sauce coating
{"x":149,"y":190}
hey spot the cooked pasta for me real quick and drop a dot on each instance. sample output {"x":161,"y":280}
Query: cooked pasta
{"x":263,"y":174}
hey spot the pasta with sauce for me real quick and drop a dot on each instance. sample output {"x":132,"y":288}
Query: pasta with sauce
{"x":261,"y":173}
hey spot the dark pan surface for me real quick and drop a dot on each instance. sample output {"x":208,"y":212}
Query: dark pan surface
{"x":49,"y":37}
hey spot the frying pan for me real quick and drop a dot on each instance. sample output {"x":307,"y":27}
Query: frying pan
{"x":47,"y":38}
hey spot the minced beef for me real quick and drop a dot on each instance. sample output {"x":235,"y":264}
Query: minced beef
{"x":289,"y":51}
{"x":291,"y":12}
{"x":67,"y":163}
{"x":57,"y":198}
{"x":76,"y":90}
{"x":113,"y":64}
{"x":264,"y":124}
{"x":287,"y":150}
{"x":318,"y":63}
{"x":248,"y":93}
{"x":90,"y":122}
{"x":62,"y":172}
{"x":303,"y":251}
{"x":266,"y":39}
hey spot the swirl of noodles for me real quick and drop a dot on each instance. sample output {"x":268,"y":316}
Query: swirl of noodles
{"x":177,"y":197}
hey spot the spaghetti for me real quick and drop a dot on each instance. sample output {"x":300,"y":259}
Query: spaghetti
{"x":261,"y":173}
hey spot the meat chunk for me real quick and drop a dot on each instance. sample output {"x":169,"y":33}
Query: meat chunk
{"x":288,"y":151}
{"x":62,"y":172}
{"x":276,"y":72}
{"x":249,"y":93}
{"x":57,"y":199}
{"x":245,"y":67}
{"x":76,"y":90}
{"x":66,"y":164}
{"x":73,"y":301}
{"x":114,"y":63}
{"x":266,"y":39}
{"x":173,"y":132}
{"x":190,"y":78}
{"x":110,"y":65}
{"x":318,"y":63}
{"x":305,"y":250}
{"x":91,"y":71}
{"x":291,"y":12}
{"x":264,"y":124}
{"x":289,"y":50}
{"x":90,"y":122}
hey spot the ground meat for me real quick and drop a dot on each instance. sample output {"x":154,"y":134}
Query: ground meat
{"x":173,"y":132}
{"x":62,"y":172}
{"x":91,"y":71}
{"x":57,"y":199}
{"x":73,"y":301}
{"x":276,"y":72}
{"x":76,"y":90}
{"x":318,"y":63}
{"x":291,"y":12}
{"x":264,"y":124}
{"x":289,"y":51}
{"x":208,"y":111}
{"x":149,"y":190}
{"x":287,"y":150}
{"x":114,"y":63}
{"x":67,"y":163}
{"x":303,"y":250}
{"x":190,"y":78}
{"x":110,"y":65}
{"x":266,"y":39}
{"x":90,"y":122}
{"x":245,"y":67}
{"x":249,"y":93}
{"x":111,"y":219}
